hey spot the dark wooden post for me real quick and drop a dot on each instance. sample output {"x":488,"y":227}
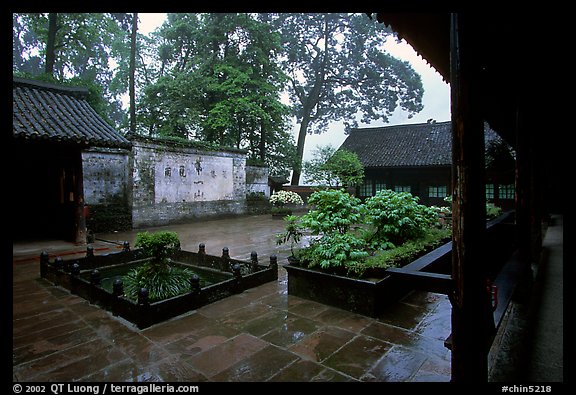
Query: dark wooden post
{"x":524,"y":205}
{"x":471,"y":310}
{"x":254,"y":261}
{"x":79,"y":218}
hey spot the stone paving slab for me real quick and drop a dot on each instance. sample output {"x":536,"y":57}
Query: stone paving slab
{"x":262,"y":334}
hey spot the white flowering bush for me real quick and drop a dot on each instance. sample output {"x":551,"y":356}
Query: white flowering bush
{"x":282,"y":198}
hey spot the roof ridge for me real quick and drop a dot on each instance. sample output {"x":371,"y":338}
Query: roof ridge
{"x":72,"y":90}
{"x":402,"y":125}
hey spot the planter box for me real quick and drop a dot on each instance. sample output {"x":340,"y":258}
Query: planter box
{"x":363,"y":296}
{"x":78,"y":277}
{"x":370,"y":296}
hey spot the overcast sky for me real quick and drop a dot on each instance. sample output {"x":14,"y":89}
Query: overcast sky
{"x":436,"y":97}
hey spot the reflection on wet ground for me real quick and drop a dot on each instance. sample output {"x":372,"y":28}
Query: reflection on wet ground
{"x":262,"y":334}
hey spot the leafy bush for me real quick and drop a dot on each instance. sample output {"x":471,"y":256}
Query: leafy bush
{"x":160,"y":278}
{"x":334,"y":251}
{"x":334,"y":215}
{"x":492,"y":211}
{"x":293,"y":232}
{"x":402,"y":254}
{"x":397,"y":217}
{"x":159,"y":245}
{"x":352,"y":236}
{"x":334,"y":211}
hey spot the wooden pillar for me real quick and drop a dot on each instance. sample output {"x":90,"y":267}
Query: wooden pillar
{"x":528,"y":202}
{"x":472,"y":319}
{"x":79,"y":216}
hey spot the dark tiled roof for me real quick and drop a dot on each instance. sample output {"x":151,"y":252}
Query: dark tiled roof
{"x":48,"y":112}
{"x":413,"y":145}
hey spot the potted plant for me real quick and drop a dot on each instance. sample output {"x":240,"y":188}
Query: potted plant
{"x":283,"y":201}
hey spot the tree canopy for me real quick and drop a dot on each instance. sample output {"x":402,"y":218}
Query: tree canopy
{"x":334,"y":167}
{"x":337,"y":68}
{"x":235,"y":79}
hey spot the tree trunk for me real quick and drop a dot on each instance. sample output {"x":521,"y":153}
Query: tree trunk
{"x":262,"y":145}
{"x":51,"y":43}
{"x":132,"y":87}
{"x":297,"y":170}
{"x":311,"y":102}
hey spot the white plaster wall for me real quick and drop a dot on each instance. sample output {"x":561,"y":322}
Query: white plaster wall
{"x":185,"y":177}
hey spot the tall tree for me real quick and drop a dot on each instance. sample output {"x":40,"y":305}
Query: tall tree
{"x":71,"y":45}
{"x":51,"y":43}
{"x":337,"y":68}
{"x":132,"y":88}
{"x":220,"y":83}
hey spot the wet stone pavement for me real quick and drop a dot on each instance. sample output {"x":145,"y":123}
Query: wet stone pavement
{"x":262,"y":334}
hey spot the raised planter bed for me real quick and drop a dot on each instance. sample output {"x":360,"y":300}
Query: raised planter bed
{"x":370,"y":296}
{"x":217,"y":278}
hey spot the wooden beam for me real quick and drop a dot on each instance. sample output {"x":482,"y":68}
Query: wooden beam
{"x":472,"y":321}
{"x":425,"y":281}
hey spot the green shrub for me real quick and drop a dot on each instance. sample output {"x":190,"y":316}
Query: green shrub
{"x":352,"y":237}
{"x":397,"y":217}
{"x":334,"y":251}
{"x":334,"y":211}
{"x":160,"y":245}
{"x":492,"y":211}
{"x":293,"y":232}
{"x":334,"y":218}
{"x":157,"y":275}
{"x":402,"y":254}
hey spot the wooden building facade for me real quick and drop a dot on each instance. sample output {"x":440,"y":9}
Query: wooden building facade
{"x":52,"y":125}
{"x":417,"y":158}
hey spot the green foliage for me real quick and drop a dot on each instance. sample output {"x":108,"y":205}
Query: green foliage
{"x":337,"y":67}
{"x":352,"y":237}
{"x":335,"y":251}
{"x":402,"y":254}
{"x":220,"y":82}
{"x":397,"y":217}
{"x":331,"y":167}
{"x":336,"y":211}
{"x":161,"y":281}
{"x":157,"y":275}
{"x":160,"y":245}
{"x":492,"y":211}
{"x":346,"y":167}
{"x":85,"y":46}
{"x":292,"y":233}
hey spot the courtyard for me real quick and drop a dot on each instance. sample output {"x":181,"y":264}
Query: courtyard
{"x":262,"y":334}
